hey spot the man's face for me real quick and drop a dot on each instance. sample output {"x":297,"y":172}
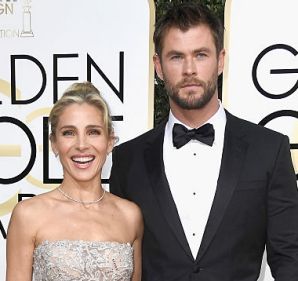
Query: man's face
{"x":189,"y":66}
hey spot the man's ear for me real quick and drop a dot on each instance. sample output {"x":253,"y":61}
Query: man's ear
{"x":157,"y":65}
{"x":221,"y":61}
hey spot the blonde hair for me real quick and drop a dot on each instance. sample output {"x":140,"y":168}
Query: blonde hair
{"x":79,"y":93}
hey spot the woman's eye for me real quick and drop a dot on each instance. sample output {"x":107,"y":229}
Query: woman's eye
{"x":94,"y":132}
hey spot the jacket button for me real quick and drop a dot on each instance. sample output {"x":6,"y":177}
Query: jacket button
{"x":197,"y":269}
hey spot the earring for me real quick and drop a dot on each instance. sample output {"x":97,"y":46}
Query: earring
{"x":56,"y":154}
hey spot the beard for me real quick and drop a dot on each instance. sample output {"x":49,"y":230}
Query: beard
{"x":192,"y":99}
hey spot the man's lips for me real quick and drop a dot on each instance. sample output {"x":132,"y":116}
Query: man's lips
{"x":190,"y":85}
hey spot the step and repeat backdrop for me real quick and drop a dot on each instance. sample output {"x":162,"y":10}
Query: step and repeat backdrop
{"x":261,"y":68}
{"x":46,"y":46}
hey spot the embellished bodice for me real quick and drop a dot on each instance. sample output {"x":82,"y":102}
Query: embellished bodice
{"x":78,"y":260}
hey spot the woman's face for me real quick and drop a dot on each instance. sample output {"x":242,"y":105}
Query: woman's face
{"x":82,"y":142}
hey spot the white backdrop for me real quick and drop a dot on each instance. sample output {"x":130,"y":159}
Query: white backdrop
{"x":261,"y":71}
{"x":46,"y":46}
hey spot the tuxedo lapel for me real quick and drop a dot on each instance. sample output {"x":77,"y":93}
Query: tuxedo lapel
{"x":155,"y":168}
{"x":233,"y":156}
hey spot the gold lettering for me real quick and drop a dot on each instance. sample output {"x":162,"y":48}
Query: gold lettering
{"x":6,"y":9}
{"x":9,"y":33}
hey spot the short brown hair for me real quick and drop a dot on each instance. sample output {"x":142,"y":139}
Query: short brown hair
{"x":184,"y":16}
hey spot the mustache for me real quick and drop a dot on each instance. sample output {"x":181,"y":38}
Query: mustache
{"x":190,"y":81}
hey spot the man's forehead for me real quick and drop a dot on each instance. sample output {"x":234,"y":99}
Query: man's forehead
{"x":199,"y":36}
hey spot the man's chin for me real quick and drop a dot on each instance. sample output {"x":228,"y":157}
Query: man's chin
{"x":191,"y":102}
{"x":190,"y":105}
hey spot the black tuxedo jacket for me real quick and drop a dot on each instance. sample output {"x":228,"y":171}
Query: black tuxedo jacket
{"x":256,"y":204}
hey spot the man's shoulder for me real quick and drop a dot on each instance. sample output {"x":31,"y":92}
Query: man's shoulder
{"x":144,"y":138}
{"x":250,"y":129}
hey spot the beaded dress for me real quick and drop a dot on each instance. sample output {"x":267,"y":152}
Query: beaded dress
{"x":68,"y":260}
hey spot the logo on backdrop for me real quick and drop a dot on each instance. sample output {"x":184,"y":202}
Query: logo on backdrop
{"x":16,"y":18}
{"x":282,"y":71}
{"x":292,"y":83}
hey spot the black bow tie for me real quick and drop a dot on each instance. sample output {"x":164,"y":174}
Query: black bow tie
{"x":182,"y":135}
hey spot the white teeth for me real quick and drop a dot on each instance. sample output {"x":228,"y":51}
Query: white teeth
{"x":82,"y":159}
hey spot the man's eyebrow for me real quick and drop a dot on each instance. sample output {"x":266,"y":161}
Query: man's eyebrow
{"x":179,"y":53}
{"x":203,"y":49}
{"x":174,"y":52}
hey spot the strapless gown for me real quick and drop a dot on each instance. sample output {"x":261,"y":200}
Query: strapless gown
{"x":68,"y":260}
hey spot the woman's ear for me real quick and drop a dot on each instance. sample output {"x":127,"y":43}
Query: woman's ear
{"x":53,"y":145}
{"x":111,"y":143}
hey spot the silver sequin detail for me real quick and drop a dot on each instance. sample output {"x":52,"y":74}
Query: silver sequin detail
{"x":68,"y":260}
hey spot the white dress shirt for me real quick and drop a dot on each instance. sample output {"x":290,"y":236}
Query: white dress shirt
{"x":192,"y":172}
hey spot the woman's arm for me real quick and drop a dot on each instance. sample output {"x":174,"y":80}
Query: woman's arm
{"x":20,"y":244}
{"x":137,"y":246}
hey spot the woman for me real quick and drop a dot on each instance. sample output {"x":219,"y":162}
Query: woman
{"x":77,"y":231}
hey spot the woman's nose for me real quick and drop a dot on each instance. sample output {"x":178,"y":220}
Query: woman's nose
{"x":82,"y":142}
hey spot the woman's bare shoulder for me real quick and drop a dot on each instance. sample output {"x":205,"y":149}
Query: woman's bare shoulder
{"x":130,"y":210}
{"x":28,"y":208}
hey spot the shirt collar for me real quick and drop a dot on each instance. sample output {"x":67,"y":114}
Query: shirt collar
{"x":218,"y":120}
{"x":218,"y":117}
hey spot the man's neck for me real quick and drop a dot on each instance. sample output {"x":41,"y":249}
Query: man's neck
{"x":194,"y":118}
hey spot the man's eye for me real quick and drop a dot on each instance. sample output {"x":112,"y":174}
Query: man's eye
{"x":68,"y":133}
{"x":176,"y":57}
{"x":201,"y":55}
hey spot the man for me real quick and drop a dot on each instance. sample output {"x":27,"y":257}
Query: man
{"x":210,"y":206}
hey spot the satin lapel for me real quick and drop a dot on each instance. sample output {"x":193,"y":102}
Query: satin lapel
{"x":155,"y":168}
{"x":233,"y":156}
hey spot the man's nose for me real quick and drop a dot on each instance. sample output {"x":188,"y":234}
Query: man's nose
{"x":189,"y":66}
